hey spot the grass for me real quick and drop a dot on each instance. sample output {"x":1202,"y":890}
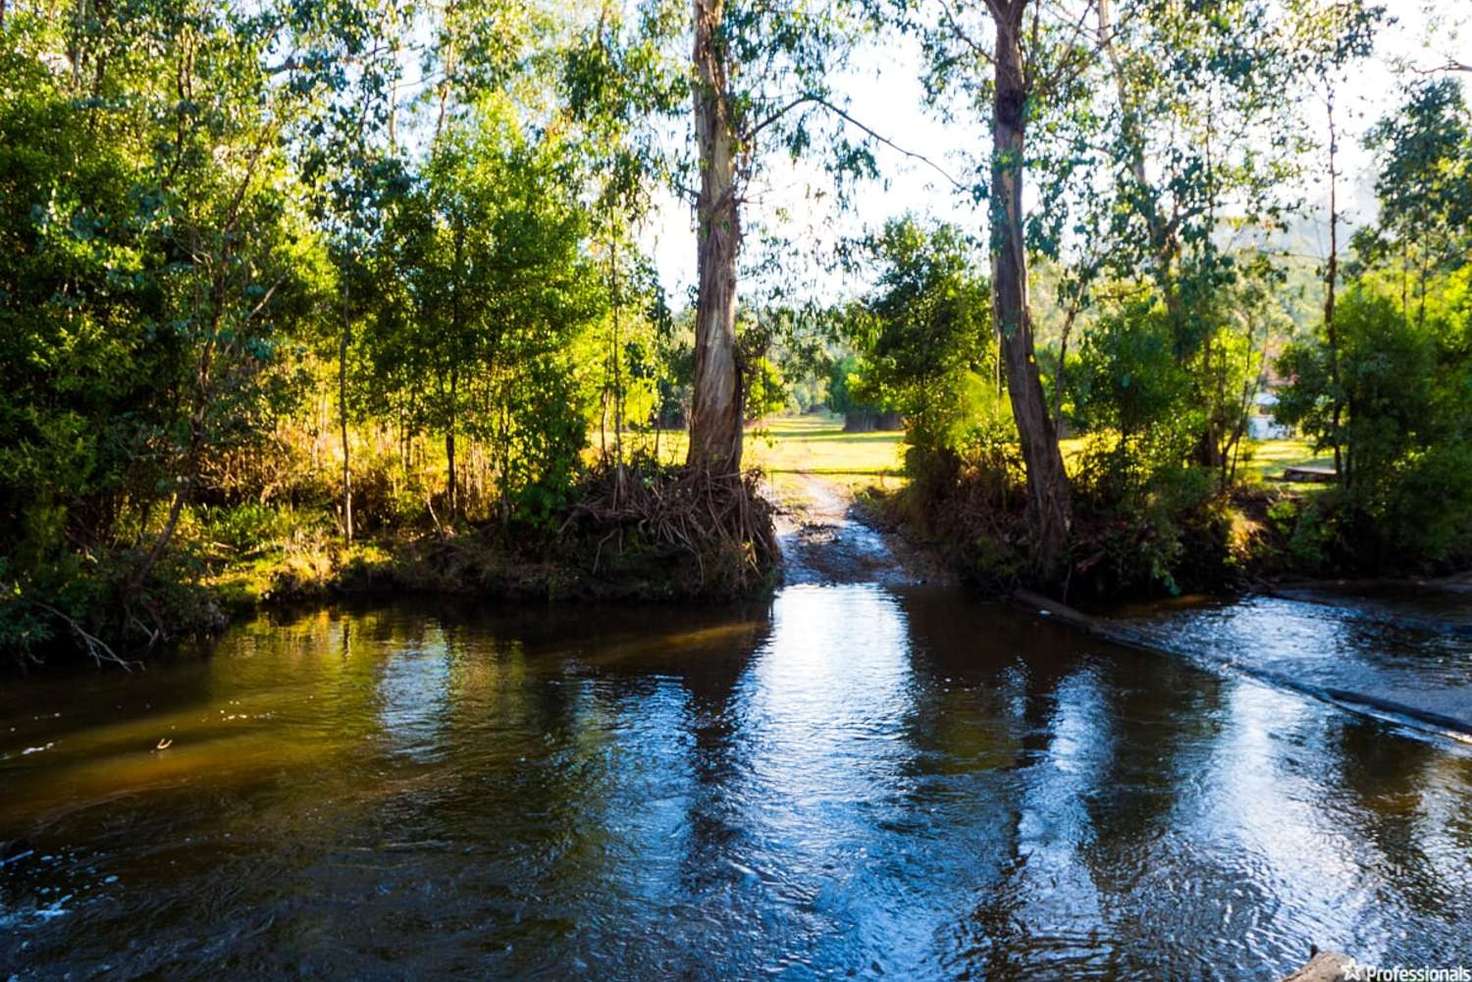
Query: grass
{"x":1260,"y":461}
{"x":1269,"y":458}
{"x":788,"y":446}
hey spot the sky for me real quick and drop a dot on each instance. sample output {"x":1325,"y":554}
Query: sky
{"x":885,"y":93}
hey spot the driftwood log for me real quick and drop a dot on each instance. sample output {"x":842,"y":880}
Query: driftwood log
{"x":1326,"y":966}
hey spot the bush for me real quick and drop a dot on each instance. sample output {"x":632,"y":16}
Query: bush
{"x":1403,"y":408}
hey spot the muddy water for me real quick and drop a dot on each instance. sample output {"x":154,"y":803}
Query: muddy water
{"x":849,"y":780}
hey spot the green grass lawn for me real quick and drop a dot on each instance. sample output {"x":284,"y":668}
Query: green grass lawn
{"x":1265,"y":460}
{"x":786,"y":446}
{"x":817,"y":444}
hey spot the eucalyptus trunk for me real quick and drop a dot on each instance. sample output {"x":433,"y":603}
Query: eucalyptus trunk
{"x":1331,"y":276}
{"x":1049,"y":507}
{"x":342,"y":409}
{"x":716,"y":409}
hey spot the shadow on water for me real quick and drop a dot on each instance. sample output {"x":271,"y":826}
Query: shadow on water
{"x":848,"y":780}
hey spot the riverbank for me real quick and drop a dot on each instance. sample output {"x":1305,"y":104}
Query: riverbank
{"x":632,"y":531}
{"x":632,"y":540}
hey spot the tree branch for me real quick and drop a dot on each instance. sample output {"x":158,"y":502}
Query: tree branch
{"x":977,"y":49}
{"x":1452,"y":65}
{"x":817,"y":100}
{"x":96,"y":647}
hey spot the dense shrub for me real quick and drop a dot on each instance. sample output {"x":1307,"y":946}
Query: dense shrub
{"x":1393,"y":396}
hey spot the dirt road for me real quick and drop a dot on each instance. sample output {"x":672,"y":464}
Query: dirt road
{"x":826,"y":539}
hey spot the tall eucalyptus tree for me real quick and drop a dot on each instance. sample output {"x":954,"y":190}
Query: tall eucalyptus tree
{"x":760,"y":79}
{"x":1329,"y":36}
{"x":754,"y":78}
{"x":1018,"y":62}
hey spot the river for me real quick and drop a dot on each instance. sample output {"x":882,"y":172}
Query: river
{"x":849,"y":779}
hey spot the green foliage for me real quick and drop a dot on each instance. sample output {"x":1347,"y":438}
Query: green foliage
{"x":925,"y":336}
{"x":1388,"y":389}
{"x":845,"y":375}
{"x":766,"y":391}
{"x":486,"y":290}
{"x":246,"y":261}
{"x":1425,"y":180}
{"x":1128,"y":378}
{"x":207,"y":224}
{"x":150,"y":275}
{"x":1403,"y":427}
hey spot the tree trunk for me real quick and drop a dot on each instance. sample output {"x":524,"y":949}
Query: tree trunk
{"x":452,"y":489}
{"x":452,"y":496}
{"x":716,"y":405}
{"x":342,"y":411}
{"x":1331,"y":275}
{"x":1047,"y":482}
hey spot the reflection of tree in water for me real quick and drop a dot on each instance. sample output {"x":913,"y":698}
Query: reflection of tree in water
{"x":583,"y":794}
{"x":984,"y":732}
{"x":1405,"y":802}
{"x":1025,"y":674}
{"x":1097,"y":746}
{"x":817,"y":780}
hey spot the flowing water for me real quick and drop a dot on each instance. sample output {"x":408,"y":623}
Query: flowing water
{"x":847,"y":780}
{"x":1407,"y":651}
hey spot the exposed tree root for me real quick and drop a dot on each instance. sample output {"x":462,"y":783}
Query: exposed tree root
{"x":718,"y":523}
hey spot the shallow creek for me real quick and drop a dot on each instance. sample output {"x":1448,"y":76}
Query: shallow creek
{"x":850,"y":778}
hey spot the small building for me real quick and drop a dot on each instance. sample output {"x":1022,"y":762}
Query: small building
{"x":1260,"y":422}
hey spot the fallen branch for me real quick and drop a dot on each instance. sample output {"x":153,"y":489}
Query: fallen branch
{"x":97,"y":648}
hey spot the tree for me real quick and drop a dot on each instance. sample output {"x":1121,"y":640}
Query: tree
{"x":611,"y":91}
{"x":1328,"y":37}
{"x":1034,"y":57}
{"x":1424,"y":185}
{"x":1389,"y":387}
{"x":156,"y":267}
{"x":759,"y":77}
{"x":716,"y":405}
{"x":927,"y":339}
{"x":756,"y":79}
{"x":495,"y":294}
{"x":345,"y":63}
{"x":1206,"y":118}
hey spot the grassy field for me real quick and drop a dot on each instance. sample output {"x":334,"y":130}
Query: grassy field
{"x":1268,"y":458}
{"x":791,"y":445}
{"x":788,"y":446}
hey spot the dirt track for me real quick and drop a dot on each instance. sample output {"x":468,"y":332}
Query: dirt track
{"x":825,"y":539}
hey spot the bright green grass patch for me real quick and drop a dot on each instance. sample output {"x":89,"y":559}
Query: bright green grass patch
{"x":1265,"y":460}
{"x":788,"y":446}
